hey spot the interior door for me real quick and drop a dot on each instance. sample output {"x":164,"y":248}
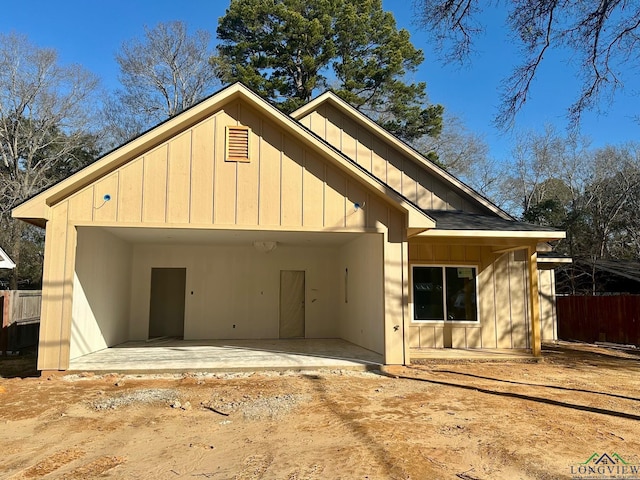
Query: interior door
{"x":291,"y":304}
{"x":166,"y":312}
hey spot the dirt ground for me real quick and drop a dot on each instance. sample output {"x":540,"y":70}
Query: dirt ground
{"x":434,"y":421}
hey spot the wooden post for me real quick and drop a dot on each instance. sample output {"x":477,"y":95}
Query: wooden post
{"x":534,"y":302}
{"x":405,"y":302}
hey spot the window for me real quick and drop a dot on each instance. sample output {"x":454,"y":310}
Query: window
{"x":238,"y":144}
{"x":444,"y":293}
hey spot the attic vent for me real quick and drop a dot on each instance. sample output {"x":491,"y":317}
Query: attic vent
{"x":238,"y":144}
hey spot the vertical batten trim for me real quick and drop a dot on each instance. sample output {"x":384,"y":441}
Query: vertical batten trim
{"x":215,"y":170}
{"x":303,"y":160}
{"x":167,"y":182}
{"x":142,"y":195}
{"x":62,"y":287}
{"x":324,"y":195}
{"x":259,"y":160}
{"x":117,"y":194}
{"x":282,"y":147}
{"x":510,"y":265}
{"x":93,"y":202}
{"x":190,"y":189}
{"x":214,"y":159}
{"x":280,"y":154}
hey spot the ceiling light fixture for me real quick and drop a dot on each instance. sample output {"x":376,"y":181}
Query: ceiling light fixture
{"x":265,"y":247}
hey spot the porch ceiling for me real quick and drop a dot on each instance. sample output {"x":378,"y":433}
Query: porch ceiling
{"x":196,"y":236}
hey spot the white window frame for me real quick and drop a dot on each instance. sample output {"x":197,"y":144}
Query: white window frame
{"x":443,"y":266}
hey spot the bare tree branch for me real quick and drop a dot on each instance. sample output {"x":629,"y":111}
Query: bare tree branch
{"x":603,"y":36}
{"x":162,"y":73}
{"x":451,"y":22}
{"x":45,"y":127}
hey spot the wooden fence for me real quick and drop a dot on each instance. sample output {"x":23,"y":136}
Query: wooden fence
{"x":614,"y":319}
{"x":20,"y":318}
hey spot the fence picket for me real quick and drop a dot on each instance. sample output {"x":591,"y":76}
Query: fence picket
{"x":614,"y":319}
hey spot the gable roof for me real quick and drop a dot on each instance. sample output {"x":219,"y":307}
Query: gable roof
{"x":5,"y":261}
{"x":454,"y":183}
{"x":36,"y":209}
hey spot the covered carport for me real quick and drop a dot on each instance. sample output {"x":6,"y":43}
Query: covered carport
{"x":218,"y":208}
{"x":287,"y":287}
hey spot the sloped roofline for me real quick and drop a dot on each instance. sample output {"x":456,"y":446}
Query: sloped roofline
{"x":36,"y":209}
{"x":362,"y":119}
{"x":5,"y":261}
{"x":456,"y":223}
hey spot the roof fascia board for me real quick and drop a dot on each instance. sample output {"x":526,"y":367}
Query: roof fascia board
{"x":403,"y":147}
{"x":555,"y":260}
{"x":540,"y":248}
{"x":126,"y":152}
{"x":5,"y":261}
{"x":38,"y":206}
{"x":33,"y":210}
{"x":416,"y":217}
{"x":531,"y":235}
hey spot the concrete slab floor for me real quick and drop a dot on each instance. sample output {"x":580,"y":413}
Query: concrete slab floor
{"x":172,"y":355}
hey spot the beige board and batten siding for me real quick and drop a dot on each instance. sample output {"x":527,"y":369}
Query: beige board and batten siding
{"x":502,"y":298}
{"x":384,"y":161}
{"x":185,"y":182}
{"x":57,"y":287}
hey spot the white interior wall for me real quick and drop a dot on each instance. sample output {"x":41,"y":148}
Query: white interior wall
{"x":362,"y":311}
{"x":237,"y":285}
{"x":101,"y":288}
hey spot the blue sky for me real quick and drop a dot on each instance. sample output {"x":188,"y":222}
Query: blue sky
{"x":90,"y":32}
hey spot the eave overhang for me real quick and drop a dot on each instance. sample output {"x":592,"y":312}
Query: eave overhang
{"x":333,"y":99}
{"x":36,"y":209}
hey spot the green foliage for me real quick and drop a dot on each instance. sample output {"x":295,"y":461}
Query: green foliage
{"x":549,"y":205}
{"x":287,"y":49}
{"x":373,"y":57}
{"x":276,"y":47}
{"x":549,"y":212}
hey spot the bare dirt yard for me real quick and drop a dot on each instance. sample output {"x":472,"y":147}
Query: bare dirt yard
{"x":433,"y":421}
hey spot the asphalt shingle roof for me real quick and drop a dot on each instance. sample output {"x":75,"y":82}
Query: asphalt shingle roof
{"x":457,"y":220}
